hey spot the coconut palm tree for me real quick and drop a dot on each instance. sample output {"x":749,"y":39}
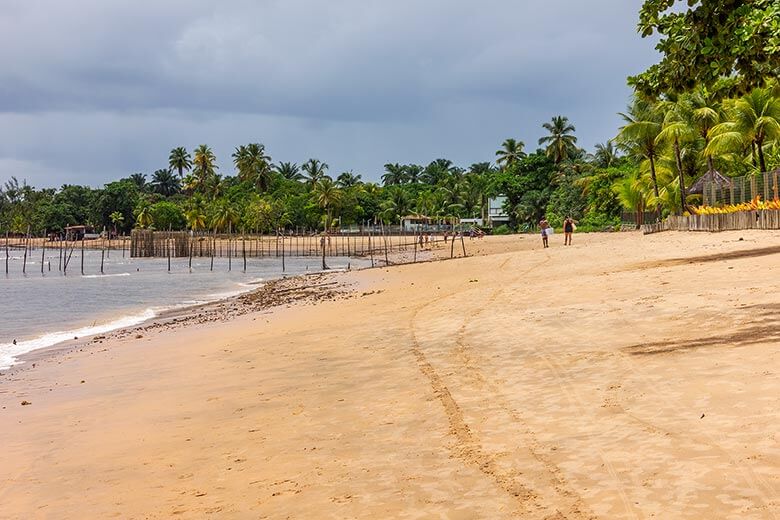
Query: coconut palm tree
{"x":165,"y":183}
{"x":561,"y":142}
{"x":196,"y":219}
{"x":511,"y":152}
{"x":675,"y":132}
{"x":223,"y":215}
{"x":638,"y":137}
{"x":348,"y":180}
{"x":117,"y":219}
{"x":315,"y":170}
{"x":253,"y":165}
{"x":328,"y":196}
{"x":605,"y":155}
{"x":704,"y":113}
{"x":754,"y":119}
{"x":180,"y":160}
{"x":632,"y":195}
{"x":203,"y":166}
{"x":394,"y":174}
{"x":437,"y":171}
{"x":289,"y":171}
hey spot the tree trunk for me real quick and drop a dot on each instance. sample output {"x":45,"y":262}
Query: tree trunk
{"x":761,"y":161}
{"x":683,"y":205}
{"x":655,"y":183}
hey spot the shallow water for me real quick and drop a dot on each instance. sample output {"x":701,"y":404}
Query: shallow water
{"x":40,"y":310}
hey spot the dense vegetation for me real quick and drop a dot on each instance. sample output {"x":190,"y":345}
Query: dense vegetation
{"x":664,"y":145}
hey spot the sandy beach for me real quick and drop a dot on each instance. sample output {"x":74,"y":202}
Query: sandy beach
{"x":627,"y":376}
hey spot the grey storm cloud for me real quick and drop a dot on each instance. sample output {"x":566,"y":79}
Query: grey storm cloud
{"x":91,"y":90}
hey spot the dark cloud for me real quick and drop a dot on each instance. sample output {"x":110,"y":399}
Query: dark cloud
{"x":92,"y":90}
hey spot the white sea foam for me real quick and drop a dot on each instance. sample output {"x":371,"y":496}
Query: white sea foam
{"x":112,"y":275}
{"x":9,"y":353}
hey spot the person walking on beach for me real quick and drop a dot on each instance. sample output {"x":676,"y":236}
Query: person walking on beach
{"x":544,"y":225}
{"x":568,"y":229}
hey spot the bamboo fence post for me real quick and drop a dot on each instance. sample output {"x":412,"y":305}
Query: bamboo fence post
{"x":24,"y":262}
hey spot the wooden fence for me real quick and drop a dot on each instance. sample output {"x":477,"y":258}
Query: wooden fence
{"x":763,"y":219}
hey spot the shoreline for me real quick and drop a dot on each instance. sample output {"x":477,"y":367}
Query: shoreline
{"x":221,"y":309}
{"x":602,"y":380}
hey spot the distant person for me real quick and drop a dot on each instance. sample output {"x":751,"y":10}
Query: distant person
{"x":568,"y":229}
{"x":446,"y":235}
{"x":544,"y":226}
{"x":426,"y":240}
{"x":420,"y":241}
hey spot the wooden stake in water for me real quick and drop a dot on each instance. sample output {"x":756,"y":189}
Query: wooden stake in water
{"x":282,"y":253}
{"x":102,"y":259}
{"x":43,"y":251}
{"x":243,"y":248}
{"x":7,"y":256}
{"x":24,"y":263}
{"x":82,"y":255}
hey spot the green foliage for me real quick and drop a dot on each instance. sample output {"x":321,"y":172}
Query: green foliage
{"x":503,"y":229}
{"x":710,"y":40}
{"x":167,"y":215}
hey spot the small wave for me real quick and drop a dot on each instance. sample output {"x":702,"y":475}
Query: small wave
{"x":105,"y":275}
{"x":9,"y":352}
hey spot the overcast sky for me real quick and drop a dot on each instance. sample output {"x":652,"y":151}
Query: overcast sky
{"x":94,"y":90}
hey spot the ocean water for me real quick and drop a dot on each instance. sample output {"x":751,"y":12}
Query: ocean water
{"x":41,"y":310}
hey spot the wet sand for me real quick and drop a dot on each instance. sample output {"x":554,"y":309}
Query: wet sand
{"x":622,"y":377}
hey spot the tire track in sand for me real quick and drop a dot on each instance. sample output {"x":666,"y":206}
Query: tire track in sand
{"x":468,"y":446}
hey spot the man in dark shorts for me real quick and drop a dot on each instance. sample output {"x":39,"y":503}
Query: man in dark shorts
{"x":568,"y":229}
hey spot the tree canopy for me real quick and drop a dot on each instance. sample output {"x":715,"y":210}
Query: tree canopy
{"x":709,"y":41}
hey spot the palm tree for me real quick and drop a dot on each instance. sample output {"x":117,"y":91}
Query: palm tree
{"x":644,"y":121}
{"x":704,"y":113}
{"x":412,"y":173}
{"x":397,"y":204}
{"x":754,"y":119}
{"x":561,"y":142}
{"x":395,"y":174}
{"x":289,"y":171}
{"x":195,"y":218}
{"x":203,"y":165}
{"x":632,"y":195}
{"x":437,"y":171}
{"x":139,"y":179}
{"x":253,"y":165}
{"x":328,"y":195}
{"x":116,"y":219}
{"x":510,"y":153}
{"x":676,"y":131}
{"x":315,"y":170}
{"x":165,"y":183}
{"x":180,"y":160}
{"x":605,"y":155}
{"x":348,"y":180}
{"x":223,"y":216}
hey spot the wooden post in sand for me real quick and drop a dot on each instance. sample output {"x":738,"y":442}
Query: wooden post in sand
{"x":282,"y":253}
{"x":463,"y":243}
{"x":322,"y":243}
{"x":415,"y":248}
{"x":211,"y":249}
{"x":384,"y":239}
{"x":7,"y":256}
{"x":452,"y":246}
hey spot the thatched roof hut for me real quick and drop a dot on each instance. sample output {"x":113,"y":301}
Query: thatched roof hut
{"x":712,"y":176}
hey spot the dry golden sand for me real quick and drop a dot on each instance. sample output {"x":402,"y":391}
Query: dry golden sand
{"x":623,"y":377}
